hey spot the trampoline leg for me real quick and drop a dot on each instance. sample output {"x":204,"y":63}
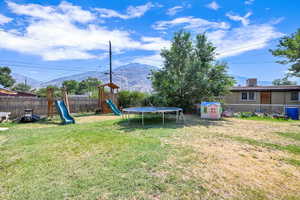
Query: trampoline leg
{"x":142,"y":118}
{"x":182,"y":116}
{"x":176,"y":116}
{"x":128,"y":118}
{"x":163,"y":116}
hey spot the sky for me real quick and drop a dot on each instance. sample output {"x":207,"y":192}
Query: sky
{"x":47,"y":39}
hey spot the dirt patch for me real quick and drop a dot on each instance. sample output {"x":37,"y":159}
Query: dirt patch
{"x":231,"y":169}
{"x":95,"y":118}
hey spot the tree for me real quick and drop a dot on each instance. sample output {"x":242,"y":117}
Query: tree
{"x":71,"y":86}
{"x":190,"y":73}
{"x":88,"y":85}
{"x":42,"y":92}
{"x":289,"y":48}
{"x":5,"y":77}
{"x":22,"y":87}
{"x":283,"y":81}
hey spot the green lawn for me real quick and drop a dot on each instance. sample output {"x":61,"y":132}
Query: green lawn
{"x":267,"y":119}
{"x":113,"y":160}
{"x":87,"y":161}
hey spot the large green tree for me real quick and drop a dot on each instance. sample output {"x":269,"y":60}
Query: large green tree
{"x":6,"y":79}
{"x":190,"y":73}
{"x":289,"y":48}
{"x":22,"y":87}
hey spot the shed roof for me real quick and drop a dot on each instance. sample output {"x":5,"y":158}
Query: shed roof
{"x":266,"y":88}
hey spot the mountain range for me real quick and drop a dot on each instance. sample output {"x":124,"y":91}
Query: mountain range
{"x":19,"y":78}
{"x":133,"y":77}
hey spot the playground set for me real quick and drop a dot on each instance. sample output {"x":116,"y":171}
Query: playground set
{"x":106,"y":103}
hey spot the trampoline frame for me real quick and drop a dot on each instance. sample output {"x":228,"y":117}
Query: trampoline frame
{"x":143,"y":110}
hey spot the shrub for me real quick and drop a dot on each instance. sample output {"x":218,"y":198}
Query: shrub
{"x":156,"y":100}
{"x":132,"y":98}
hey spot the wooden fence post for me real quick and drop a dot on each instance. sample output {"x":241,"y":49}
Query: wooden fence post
{"x":65,"y":98}
{"x":50,"y":100}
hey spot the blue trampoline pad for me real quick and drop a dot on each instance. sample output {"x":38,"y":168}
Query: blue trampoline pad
{"x":151,"y":109}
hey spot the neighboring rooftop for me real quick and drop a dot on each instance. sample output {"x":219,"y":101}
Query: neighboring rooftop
{"x":251,"y":85}
{"x":7,"y":92}
{"x":267,"y":88}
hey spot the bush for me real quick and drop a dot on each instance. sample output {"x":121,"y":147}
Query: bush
{"x":132,"y":98}
{"x":246,"y":114}
{"x":156,"y":100}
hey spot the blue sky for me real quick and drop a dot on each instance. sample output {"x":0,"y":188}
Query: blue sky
{"x":48,"y":39}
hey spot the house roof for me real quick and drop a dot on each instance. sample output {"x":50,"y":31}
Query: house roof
{"x":266,"y":88}
{"x":6,"y":92}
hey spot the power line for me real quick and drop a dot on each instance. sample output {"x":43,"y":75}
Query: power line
{"x":50,"y":67}
{"x":10,"y":62}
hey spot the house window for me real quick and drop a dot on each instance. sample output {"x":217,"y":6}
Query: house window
{"x":294,"y":96}
{"x":244,"y":96}
{"x":248,"y":96}
{"x":251,"y":96}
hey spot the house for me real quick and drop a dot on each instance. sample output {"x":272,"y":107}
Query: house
{"x":7,"y":92}
{"x":253,"y":97}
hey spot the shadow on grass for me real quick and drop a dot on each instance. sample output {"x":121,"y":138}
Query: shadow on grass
{"x":47,"y":121}
{"x":155,"y":121}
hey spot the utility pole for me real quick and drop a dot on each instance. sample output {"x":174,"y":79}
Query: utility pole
{"x":110,"y":67}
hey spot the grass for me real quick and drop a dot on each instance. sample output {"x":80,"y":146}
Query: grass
{"x":293,"y":162}
{"x":113,"y":160}
{"x":295,"y":149}
{"x":294,"y":136}
{"x":90,"y":161}
{"x":270,"y":119}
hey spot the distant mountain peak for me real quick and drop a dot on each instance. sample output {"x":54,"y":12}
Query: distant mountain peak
{"x":21,"y":79}
{"x":132,"y":76}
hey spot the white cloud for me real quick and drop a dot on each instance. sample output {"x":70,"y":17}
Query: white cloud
{"x":64,"y":12}
{"x":131,"y":11}
{"x":195,"y":24}
{"x":4,"y":19}
{"x":68,"y":32}
{"x":154,"y":60}
{"x":172,"y":11}
{"x":244,"y":20}
{"x":239,"y":40}
{"x":230,"y":42}
{"x":213,"y":5}
{"x":155,"y":43}
{"x":249,"y":2}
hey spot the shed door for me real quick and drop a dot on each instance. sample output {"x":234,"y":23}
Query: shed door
{"x":265,"y":97}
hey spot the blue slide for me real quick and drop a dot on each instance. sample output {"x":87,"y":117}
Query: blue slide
{"x":63,"y":112}
{"x":113,"y":107}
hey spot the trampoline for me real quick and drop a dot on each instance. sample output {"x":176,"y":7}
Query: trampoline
{"x":145,"y":110}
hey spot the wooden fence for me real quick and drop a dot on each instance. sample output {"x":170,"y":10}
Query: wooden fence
{"x":16,"y":105}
